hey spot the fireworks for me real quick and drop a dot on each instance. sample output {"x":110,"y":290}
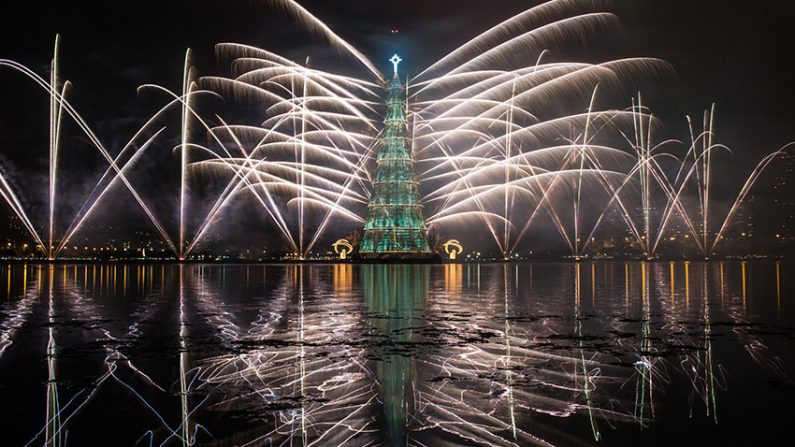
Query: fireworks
{"x":507,"y":134}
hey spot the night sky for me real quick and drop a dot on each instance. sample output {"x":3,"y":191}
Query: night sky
{"x":733,"y":53}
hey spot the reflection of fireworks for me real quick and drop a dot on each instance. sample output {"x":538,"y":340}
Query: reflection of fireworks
{"x":306,"y":372}
{"x":402,"y":355}
{"x":480,"y":389}
{"x":16,"y":317}
{"x":487,"y":388}
{"x":63,"y":407}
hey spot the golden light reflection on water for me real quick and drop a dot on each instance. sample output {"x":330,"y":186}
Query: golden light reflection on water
{"x":687,"y":284}
{"x":103,"y":280}
{"x":672,"y":273}
{"x":453,"y":278}
{"x":744,"y":287}
{"x":343,"y":277}
{"x":626,"y":285}
{"x":643,"y":280}
{"x":25,"y":280}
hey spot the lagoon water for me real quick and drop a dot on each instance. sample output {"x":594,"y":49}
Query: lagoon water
{"x":606,"y":353}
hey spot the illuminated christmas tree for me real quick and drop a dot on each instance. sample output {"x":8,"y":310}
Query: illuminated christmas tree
{"x":395,"y":226}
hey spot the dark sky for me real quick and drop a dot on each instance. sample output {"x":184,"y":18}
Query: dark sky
{"x":734,"y":53}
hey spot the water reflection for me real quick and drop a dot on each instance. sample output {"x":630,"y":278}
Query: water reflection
{"x":505,"y":354}
{"x":395,"y":299}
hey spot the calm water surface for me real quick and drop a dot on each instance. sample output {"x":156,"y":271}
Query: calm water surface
{"x":529,"y":354}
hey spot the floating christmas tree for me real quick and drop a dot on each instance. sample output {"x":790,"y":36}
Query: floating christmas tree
{"x":395,"y":226}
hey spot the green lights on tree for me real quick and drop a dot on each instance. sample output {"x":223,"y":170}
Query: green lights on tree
{"x":395,"y":226}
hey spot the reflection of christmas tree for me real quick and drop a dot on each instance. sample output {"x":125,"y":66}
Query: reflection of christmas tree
{"x":395,"y":298}
{"x":395,"y":225}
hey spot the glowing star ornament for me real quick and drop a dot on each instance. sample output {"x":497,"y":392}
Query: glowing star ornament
{"x":395,"y":61}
